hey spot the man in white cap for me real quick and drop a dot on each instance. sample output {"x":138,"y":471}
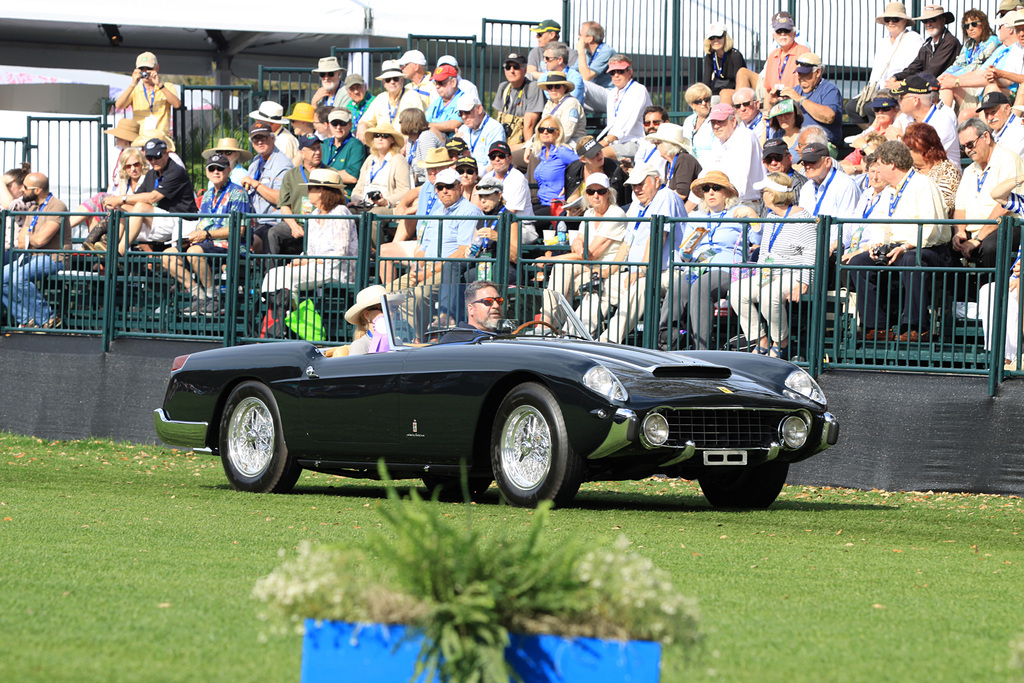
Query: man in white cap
{"x":828,"y":191}
{"x":479,"y":130}
{"x":151,"y":101}
{"x":414,"y":67}
{"x":385,"y":107}
{"x":736,"y":152}
{"x":272,"y":113}
{"x":343,"y":151}
{"x":329,"y":93}
{"x":626,"y":290}
{"x":626,"y":103}
{"x":518,"y":102}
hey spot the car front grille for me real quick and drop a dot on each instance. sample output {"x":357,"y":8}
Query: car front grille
{"x":723,"y":427}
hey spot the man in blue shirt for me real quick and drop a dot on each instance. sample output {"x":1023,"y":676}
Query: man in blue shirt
{"x":556,"y":57}
{"x":479,"y":130}
{"x":263,"y":182}
{"x":594,"y":54}
{"x":443,"y":114}
{"x":820,"y":99}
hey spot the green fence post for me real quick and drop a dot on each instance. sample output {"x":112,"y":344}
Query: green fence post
{"x":566,"y":18}
{"x":817,"y":324}
{"x":499,"y":272}
{"x":997,"y":328}
{"x":231,"y":283}
{"x":109,"y":315}
{"x":652,"y":305}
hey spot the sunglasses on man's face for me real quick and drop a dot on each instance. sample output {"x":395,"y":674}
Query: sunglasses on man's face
{"x":546,"y":129}
{"x":340,"y":124}
{"x":489,"y":301}
{"x":773,"y":159}
{"x":892,"y":20}
{"x":743,"y":105}
{"x":329,"y":74}
{"x":440,"y":187}
{"x":617,"y":72}
{"x":784,"y":31}
{"x":513,"y":66}
{"x":597,"y":190}
{"x":654,"y":122}
{"x":494,"y":156}
{"x":392,"y":79}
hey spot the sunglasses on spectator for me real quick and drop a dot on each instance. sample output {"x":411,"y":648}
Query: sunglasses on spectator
{"x":971,"y":24}
{"x":377,"y":136}
{"x":969,"y":146}
{"x":465,"y":170}
{"x":497,"y":155}
{"x":547,"y":129}
{"x":392,"y":79}
{"x":446,"y":186}
{"x":551,"y":59}
{"x":257,"y":138}
{"x":153,"y":158}
{"x":464,"y":114}
{"x":597,"y":190}
{"x":743,"y":105}
{"x":137,"y":164}
{"x":703,"y":100}
{"x":655,"y":123}
{"x":720,"y":36}
{"x":616,"y":72}
{"x":340,"y":124}
{"x":892,"y":20}
{"x":329,"y":74}
{"x":215,"y":169}
{"x":513,"y":66}
{"x":883,"y":109}
{"x":710,"y":187}
{"x":774,"y":159}
{"x":489,"y":301}
{"x":784,"y":31}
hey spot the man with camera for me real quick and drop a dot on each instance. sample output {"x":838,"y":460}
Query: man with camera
{"x":150,"y":99}
{"x":517,"y":103}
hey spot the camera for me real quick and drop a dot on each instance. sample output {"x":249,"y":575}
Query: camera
{"x":374,"y":196}
{"x":144,"y":72}
{"x":880,"y":253}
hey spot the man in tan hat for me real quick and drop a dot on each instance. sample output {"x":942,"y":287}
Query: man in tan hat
{"x":939,"y":50}
{"x":235,"y":154}
{"x":357,"y":103}
{"x":395,"y":99}
{"x":150,"y":99}
{"x":272,"y":113}
{"x":124,"y":134}
{"x":329,"y":92}
{"x":557,"y":58}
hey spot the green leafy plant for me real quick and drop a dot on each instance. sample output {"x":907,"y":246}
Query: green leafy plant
{"x":465,"y":592}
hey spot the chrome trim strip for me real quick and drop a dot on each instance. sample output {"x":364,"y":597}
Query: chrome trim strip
{"x":689,"y":448}
{"x":618,"y":437}
{"x":177,"y":433}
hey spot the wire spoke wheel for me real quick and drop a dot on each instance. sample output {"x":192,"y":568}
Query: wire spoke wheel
{"x":251,"y":437}
{"x":526,"y":447}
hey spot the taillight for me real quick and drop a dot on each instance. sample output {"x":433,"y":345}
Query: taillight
{"x":178,"y":362}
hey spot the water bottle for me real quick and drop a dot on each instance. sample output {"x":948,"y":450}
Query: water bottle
{"x":563,"y":233}
{"x":480,"y":244}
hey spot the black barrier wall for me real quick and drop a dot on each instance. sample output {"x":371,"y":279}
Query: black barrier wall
{"x":900,"y":431}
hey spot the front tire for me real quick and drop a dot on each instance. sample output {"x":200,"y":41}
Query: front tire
{"x":753,"y":488}
{"x":531,"y":457}
{"x":252,"y":447}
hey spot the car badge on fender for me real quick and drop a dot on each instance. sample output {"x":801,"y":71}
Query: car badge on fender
{"x":414,"y":432}
{"x":725,"y":390}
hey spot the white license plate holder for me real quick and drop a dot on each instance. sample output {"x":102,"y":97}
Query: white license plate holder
{"x":725,"y":458}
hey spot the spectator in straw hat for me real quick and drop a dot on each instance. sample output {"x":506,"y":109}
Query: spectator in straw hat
{"x":385,"y":107}
{"x":556,"y":58}
{"x":273,"y":113}
{"x":302,"y":118}
{"x":939,"y":50}
{"x":329,"y":93}
{"x":384,"y":176}
{"x":564,"y":105}
{"x":230,"y":148}
{"x":150,"y":99}
{"x":896,"y":50}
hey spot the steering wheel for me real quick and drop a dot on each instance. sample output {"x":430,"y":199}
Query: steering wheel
{"x":532,"y":323}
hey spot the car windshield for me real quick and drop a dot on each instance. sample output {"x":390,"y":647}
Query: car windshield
{"x":421,"y":315}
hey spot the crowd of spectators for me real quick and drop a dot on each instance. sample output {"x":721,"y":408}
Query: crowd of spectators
{"x":758,"y":145}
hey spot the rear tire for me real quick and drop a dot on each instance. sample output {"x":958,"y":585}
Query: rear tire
{"x":752,"y":488}
{"x":252,"y":447}
{"x":531,"y":457}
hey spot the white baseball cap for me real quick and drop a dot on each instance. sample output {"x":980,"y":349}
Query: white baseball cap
{"x":412,"y":57}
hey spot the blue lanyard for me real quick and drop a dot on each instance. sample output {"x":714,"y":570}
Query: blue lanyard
{"x":149,"y":98}
{"x":412,"y":151}
{"x":972,"y":52}
{"x":671,"y":169}
{"x":931,"y":113}
{"x":619,"y":96}
{"x":259,"y":168}
{"x":336,"y":151}
{"x":824,"y":191}
{"x":782,"y":66}
{"x":1002,"y":55}
{"x":717,"y":67}
{"x":217,"y":201}
{"x":982,"y":177}
{"x":35,"y":218}
{"x":778,"y":229}
{"x":711,"y":235}
{"x":651,"y":154}
{"x":1006,"y":127}
{"x":302,"y":170}
{"x":480,"y":133}
{"x":636,"y":226}
{"x":591,"y":58}
{"x":871,"y":207}
{"x":894,"y":202}
{"x":431,"y":200}
{"x":494,"y":223}
{"x":374,"y":174}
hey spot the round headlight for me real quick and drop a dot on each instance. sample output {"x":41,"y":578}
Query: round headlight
{"x":654,"y":430}
{"x":794,"y":431}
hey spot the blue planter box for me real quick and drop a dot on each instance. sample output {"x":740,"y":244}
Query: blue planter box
{"x":357,"y":653}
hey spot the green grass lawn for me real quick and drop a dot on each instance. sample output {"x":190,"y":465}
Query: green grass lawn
{"x":136,"y":563}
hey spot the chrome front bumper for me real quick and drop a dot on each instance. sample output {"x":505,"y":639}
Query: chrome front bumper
{"x":829,"y":432}
{"x":175,"y":433}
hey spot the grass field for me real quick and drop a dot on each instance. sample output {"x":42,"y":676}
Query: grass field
{"x":136,"y":563}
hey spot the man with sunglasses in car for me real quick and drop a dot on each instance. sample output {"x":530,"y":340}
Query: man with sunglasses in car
{"x":484,"y":308}
{"x":518,"y":102}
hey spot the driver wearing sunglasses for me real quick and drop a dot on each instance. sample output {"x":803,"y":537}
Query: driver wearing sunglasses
{"x":484,"y":310}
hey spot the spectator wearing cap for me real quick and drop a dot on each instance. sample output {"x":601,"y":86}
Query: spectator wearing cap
{"x":40,"y":233}
{"x":564,"y":105}
{"x":592,"y":161}
{"x":330,"y":92}
{"x":514,"y":188}
{"x":593,"y":65}
{"x":1007,"y":130}
{"x":785,"y":121}
{"x":230,"y":149}
{"x":286,"y":236}
{"x":627,"y":292}
{"x":778,"y":158}
{"x":992,"y":165}
{"x":457,"y":148}
{"x":626,"y":103}
{"x":518,"y":102}
{"x":469,"y":175}
{"x":780,"y":68}
{"x":413,"y":64}
{"x":914,"y":197}
{"x":212,"y":235}
{"x":384,"y":176}
{"x":419,"y":140}
{"x":343,"y":151}
{"x":917,"y":104}
{"x":828,"y":191}
{"x":820,"y":99}
{"x":647,"y":151}
{"x":150,"y":99}
{"x":357,"y":103}
{"x":734,"y":151}
{"x":263,"y":179}
{"x":464,"y":85}
{"x":896,"y":50}
{"x":332,"y":236}
{"x":722,"y":62}
{"x":302,"y":118}
{"x":546,"y":32}
{"x":385,"y":107}
{"x":166,"y":188}
{"x":478,"y":130}
{"x":549,"y":157}
{"x":696,"y":127}
{"x":748,"y":111}
{"x":443,"y":113}
{"x":939,"y":50}
{"x":556,"y":58}
{"x":681,"y":168}
{"x":883,"y":114}
{"x":273,"y":113}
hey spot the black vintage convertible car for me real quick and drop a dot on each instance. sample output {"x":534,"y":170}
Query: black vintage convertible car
{"x":537,"y":410}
